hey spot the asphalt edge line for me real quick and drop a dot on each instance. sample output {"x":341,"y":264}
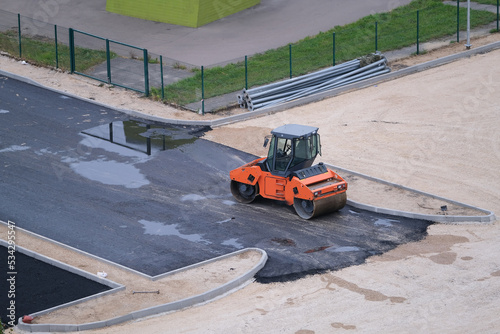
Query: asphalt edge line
{"x":488,"y":218}
{"x":281,"y":107}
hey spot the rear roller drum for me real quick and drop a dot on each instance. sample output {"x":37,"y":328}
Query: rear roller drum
{"x":308,"y":209}
{"x":244,"y":193}
{"x":304,"y":207}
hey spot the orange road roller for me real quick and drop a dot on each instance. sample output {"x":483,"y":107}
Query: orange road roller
{"x":287,"y":174}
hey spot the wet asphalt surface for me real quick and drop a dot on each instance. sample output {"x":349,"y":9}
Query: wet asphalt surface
{"x":62,"y":177}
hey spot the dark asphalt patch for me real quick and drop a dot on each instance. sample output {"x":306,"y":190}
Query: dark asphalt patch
{"x":38,"y":286}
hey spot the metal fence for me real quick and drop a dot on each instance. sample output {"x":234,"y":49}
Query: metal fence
{"x":204,"y":89}
{"x":112,"y":62}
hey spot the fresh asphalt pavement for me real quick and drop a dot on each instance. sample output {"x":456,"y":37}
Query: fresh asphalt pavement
{"x":159,"y":212}
{"x":46,"y":286}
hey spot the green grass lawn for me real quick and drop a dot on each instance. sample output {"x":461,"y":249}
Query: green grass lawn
{"x":42,"y":52}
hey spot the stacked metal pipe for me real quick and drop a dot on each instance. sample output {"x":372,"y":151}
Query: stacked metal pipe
{"x":313,"y":83}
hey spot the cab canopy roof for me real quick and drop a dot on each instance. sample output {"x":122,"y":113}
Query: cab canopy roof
{"x":290,"y":131}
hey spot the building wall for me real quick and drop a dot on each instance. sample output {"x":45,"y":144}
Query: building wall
{"x":190,"y":13}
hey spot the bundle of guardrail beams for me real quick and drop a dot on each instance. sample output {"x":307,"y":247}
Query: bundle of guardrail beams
{"x":313,"y":83}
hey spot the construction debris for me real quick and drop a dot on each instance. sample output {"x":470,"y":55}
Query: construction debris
{"x":313,"y":83}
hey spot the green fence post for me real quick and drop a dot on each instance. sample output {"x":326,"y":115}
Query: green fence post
{"x":72,"y":50}
{"x":19,"y":35}
{"x":418,"y":31}
{"x":290,"y":52}
{"x":57,"y":52}
{"x":162,"y":84}
{"x":333,"y":48}
{"x":458,"y":21}
{"x":108,"y":61}
{"x":246,"y":72}
{"x":202,"y":92}
{"x":146,"y":72}
{"x":376,"y":36}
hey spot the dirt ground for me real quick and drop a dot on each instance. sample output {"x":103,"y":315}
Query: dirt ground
{"x":436,"y":131}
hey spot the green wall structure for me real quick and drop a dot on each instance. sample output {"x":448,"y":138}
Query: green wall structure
{"x":190,"y":13}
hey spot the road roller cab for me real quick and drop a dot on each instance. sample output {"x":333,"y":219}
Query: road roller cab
{"x":287,"y":174}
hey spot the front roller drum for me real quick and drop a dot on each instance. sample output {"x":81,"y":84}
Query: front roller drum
{"x":244,"y":193}
{"x":309,"y":209}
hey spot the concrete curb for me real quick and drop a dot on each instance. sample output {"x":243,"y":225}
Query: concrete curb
{"x":220,"y":291}
{"x":487,"y":218}
{"x":284,"y":106}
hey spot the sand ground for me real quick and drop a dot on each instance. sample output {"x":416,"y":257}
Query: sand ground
{"x":436,"y":131}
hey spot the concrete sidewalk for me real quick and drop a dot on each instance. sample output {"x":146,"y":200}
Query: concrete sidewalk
{"x":271,"y":24}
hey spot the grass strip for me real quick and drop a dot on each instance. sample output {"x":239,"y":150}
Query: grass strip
{"x":41,"y":51}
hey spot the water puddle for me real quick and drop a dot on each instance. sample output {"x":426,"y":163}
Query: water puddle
{"x":110,"y":173}
{"x":385,"y":222}
{"x":192,"y":197}
{"x":344,"y":249}
{"x":134,"y":142}
{"x":120,"y":170}
{"x":161,"y":229}
{"x":196,"y":197}
{"x":15,"y":148}
{"x":142,"y":137}
{"x":232,"y":242}
{"x":93,"y":142}
{"x":225,"y":221}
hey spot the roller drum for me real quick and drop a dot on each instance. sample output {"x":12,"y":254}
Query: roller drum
{"x":310,"y":209}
